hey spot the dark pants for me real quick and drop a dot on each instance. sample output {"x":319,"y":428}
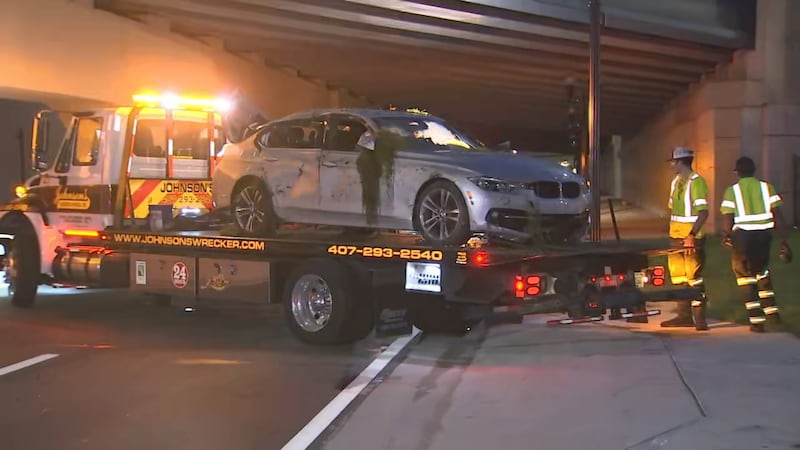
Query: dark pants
{"x":751,"y":266}
{"x":685,"y":267}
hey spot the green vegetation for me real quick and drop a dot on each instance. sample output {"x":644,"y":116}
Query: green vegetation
{"x":375,"y":164}
{"x":725,"y":302}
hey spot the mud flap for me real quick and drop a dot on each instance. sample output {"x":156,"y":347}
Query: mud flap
{"x":391,"y":306}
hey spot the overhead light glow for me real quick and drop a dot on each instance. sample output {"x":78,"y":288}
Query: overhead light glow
{"x":171,"y":100}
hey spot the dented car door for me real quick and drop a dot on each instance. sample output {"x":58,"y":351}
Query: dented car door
{"x":352,"y":195}
{"x":290,"y":153}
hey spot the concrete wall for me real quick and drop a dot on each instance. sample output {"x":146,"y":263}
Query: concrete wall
{"x":748,"y":107}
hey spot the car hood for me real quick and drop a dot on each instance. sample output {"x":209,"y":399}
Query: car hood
{"x":503,"y":165}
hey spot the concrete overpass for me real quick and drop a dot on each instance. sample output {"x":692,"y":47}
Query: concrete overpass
{"x":706,"y":73}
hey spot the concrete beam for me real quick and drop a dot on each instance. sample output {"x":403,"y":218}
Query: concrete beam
{"x":213,"y":41}
{"x":120,"y":56}
{"x":157,"y":22}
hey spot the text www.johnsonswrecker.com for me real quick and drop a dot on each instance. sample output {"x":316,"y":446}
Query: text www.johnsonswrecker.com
{"x":190,"y":241}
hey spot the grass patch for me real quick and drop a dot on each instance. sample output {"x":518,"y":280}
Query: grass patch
{"x":725,"y":301}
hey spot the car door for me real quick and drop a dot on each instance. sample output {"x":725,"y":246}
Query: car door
{"x":290,"y":152}
{"x":351,"y":195}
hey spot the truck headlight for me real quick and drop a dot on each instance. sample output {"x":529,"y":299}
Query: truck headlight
{"x":494,"y":184}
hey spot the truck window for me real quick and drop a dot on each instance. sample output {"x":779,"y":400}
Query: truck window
{"x":189,"y":139}
{"x":64,"y":160}
{"x":87,"y":142}
{"x":151,"y":139}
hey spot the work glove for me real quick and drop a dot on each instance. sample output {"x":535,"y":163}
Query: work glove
{"x":785,"y":252}
{"x":689,"y":244}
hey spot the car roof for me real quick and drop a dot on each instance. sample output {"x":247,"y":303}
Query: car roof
{"x":366,"y":113}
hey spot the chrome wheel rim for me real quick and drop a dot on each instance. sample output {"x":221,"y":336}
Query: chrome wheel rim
{"x":249,"y":208}
{"x":439,"y":214}
{"x":312,"y":303}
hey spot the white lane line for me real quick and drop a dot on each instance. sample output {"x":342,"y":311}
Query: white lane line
{"x":27,"y":363}
{"x":331,"y":411}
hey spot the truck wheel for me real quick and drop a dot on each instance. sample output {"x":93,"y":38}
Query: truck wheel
{"x":252,"y":210}
{"x":318,"y":302}
{"x":440,"y":214}
{"x":22,"y":267}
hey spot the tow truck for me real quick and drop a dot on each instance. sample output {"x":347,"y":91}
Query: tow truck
{"x":125,"y":203}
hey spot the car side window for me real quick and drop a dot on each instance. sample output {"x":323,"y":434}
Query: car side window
{"x":306,"y":133}
{"x":342,"y":134}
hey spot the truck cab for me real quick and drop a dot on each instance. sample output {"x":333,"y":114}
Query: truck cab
{"x":115,"y":165}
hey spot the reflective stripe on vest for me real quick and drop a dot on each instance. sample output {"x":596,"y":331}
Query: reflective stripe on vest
{"x":752,"y":222}
{"x":687,"y":216}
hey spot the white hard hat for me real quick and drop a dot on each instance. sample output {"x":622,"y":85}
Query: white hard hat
{"x":681,"y":152}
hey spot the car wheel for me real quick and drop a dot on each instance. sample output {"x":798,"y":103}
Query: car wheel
{"x":252,"y":210}
{"x":441,"y":216}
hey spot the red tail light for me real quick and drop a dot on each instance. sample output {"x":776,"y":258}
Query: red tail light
{"x":527,"y":285}
{"x":481,"y":258}
{"x":519,"y":287}
{"x":658,"y":275}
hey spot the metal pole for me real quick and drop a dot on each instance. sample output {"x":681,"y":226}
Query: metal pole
{"x":594,"y":116}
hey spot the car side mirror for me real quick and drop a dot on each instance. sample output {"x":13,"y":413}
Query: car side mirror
{"x":367,"y":140}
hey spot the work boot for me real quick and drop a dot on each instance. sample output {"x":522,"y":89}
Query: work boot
{"x":683,"y":319}
{"x":757,"y":328}
{"x":699,"y":317}
{"x":774,"y":322}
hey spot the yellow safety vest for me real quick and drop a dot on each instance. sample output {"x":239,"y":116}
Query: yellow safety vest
{"x":685,"y":204}
{"x":751,"y":202}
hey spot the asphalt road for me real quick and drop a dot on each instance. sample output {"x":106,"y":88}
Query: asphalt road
{"x":133,"y":375}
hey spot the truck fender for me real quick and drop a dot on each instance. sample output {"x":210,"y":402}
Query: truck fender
{"x":11,"y":221}
{"x":30,"y":204}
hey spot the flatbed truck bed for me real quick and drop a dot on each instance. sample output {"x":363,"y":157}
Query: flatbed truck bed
{"x":381,"y":281}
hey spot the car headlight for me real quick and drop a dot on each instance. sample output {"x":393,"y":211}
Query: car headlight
{"x":494,"y":184}
{"x":585,"y":189}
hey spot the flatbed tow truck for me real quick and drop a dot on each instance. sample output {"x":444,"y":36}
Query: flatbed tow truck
{"x":335,"y":286}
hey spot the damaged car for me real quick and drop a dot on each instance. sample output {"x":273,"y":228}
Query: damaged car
{"x":395,"y":170}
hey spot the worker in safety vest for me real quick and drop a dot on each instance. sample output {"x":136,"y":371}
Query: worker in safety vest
{"x":751,"y":208}
{"x":688,"y":213}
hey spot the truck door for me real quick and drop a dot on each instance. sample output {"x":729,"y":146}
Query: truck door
{"x":73,"y":188}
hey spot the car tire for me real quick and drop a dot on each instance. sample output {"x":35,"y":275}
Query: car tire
{"x":435,"y":199}
{"x":251,"y":208}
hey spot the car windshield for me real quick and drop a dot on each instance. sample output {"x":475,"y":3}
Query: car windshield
{"x":431,"y":131}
